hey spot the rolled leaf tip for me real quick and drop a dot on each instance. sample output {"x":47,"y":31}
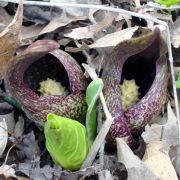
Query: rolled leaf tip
{"x":53,"y":121}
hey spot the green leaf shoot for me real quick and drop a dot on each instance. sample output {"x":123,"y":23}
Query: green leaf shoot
{"x":168,"y":3}
{"x":92,"y":94}
{"x":178,"y":80}
{"x":66,"y":141}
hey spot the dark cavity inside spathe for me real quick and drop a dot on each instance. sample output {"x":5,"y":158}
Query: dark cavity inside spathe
{"x":43,"y":68}
{"x":142,"y":68}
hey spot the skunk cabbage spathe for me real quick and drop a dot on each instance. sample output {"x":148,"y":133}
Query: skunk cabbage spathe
{"x":40,"y":61}
{"x":142,"y":59}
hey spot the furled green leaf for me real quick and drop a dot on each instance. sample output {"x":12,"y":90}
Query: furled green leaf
{"x":178,"y":80}
{"x":66,"y":141}
{"x":92,"y":94}
{"x":168,"y":2}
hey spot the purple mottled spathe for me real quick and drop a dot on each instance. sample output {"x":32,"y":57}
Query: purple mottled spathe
{"x":19,"y":79}
{"x":148,"y":48}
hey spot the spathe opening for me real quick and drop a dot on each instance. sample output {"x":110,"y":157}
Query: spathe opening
{"x":45,"y":67}
{"x":142,"y":67}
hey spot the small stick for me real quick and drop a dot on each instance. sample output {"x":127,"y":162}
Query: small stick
{"x":101,"y":150}
{"x":97,"y":143}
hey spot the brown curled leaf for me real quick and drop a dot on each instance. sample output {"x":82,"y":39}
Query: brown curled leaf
{"x":10,"y":39}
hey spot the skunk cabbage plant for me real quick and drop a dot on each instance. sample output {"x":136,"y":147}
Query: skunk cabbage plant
{"x":141,"y":59}
{"x":40,"y":64}
{"x":66,"y":141}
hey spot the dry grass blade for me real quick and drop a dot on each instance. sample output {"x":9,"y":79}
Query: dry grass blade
{"x":10,"y":38}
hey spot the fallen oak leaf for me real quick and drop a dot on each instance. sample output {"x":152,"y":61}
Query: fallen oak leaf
{"x":136,"y":168}
{"x":10,"y":38}
{"x":168,"y":132}
{"x":157,"y":159}
{"x":114,"y":38}
{"x":57,"y":22}
{"x":29,"y":33}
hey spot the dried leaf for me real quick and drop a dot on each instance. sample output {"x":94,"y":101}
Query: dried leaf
{"x":7,"y":171}
{"x":74,"y":10}
{"x":28,"y":32}
{"x":10,"y":38}
{"x":31,"y":31}
{"x":40,"y":14}
{"x":159,"y":162}
{"x":3,"y":136}
{"x":19,"y":127}
{"x":108,"y":40}
{"x":5,"y":18}
{"x":137,"y":3}
{"x":92,"y":30}
{"x":168,"y":133}
{"x":175,"y":31}
{"x":29,"y":146}
{"x":136,"y":168}
{"x":57,"y":22}
{"x":32,"y":169}
{"x":8,"y":116}
{"x":114,"y":38}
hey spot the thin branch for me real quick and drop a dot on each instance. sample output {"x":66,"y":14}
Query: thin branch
{"x":101,"y":150}
{"x":7,"y":155}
